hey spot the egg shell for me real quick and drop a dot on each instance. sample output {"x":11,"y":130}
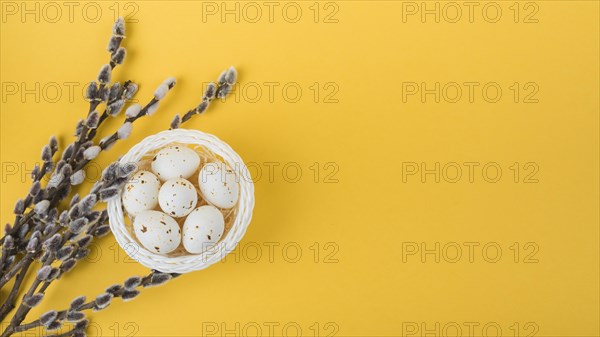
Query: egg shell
{"x":218,"y":185}
{"x":141,"y":193}
{"x":157,"y":232}
{"x":177,"y":197}
{"x":175,"y":161}
{"x":202,"y":229}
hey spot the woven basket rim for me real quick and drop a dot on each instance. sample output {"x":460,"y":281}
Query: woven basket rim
{"x":191,"y":262}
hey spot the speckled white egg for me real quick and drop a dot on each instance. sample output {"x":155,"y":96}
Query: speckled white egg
{"x":177,"y":197}
{"x":175,"y":162}
{"x":158,"y":232}
{"x":141,"y":193}
{"x":202,"y":229}
{"x":218,"y":185}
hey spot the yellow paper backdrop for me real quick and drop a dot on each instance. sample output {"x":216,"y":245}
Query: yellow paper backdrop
{"x":420,"y":167}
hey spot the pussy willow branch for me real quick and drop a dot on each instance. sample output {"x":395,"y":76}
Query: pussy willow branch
{"x":220,"y":90}
{"x":127,"y":291}
{"x":97,"y":97}
{"x":104,"y":145}
{"x":210,"y":94}
{"x":104,"y":77}
{"x":117,"y":57}
{"x":41,"y":234}
{"x":51,"y":247}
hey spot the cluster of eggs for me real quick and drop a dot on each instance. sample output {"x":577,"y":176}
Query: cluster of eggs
{"x":155,"y":198}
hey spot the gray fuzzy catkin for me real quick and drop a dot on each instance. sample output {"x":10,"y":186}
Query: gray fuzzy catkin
{"x":33,"y":300}
{"x":127,"y":169}
{"x":77,"y":225}
{"x":152,"y":109}
{"x":113,"y":289}
{"x":132,"y":282}
{"x":176,"y":122}
{"x":114,"y":91}
{"x":75,"y":316}
{"x":53,"y":326}
{"x":67,"y":265}
{"x":161,"y":91}
{"x":103,"y":300}
{"x":32,"y":245}
{"x":92,"y":152}
{"x":53,"y":242}
{"x":124,"y":131}
{"x":9,"y":242}
{"x":133,"y":111}
{"x":19,"y":207}
{"x":119,"y":55}
{"x":92,"y":120}
{"x":35,"y":188}
{"x":231,"y":76}
{"x":88,"y":202}
{"x":77,"y":302}
{"x":132,"y":88}
{"x":64,"y":253}
{"x":53,"y":143}
{"x":115,"y":108}
{"x":129,"y":295}
{"x":41,"y":207}
{"x":170,"y":81}
{"x":119,"y":27}
{"x":43,"y":273}
{"x":209,"y":93}
{"x":159,"y":278}
{"x":102,"y":231}
{"x":104,"y":75}
{"x":46,"y":154}
{"x":48,"y":317}
{"x":108,"y":193}
{"x":77,"y":177}
{"x":113,"y":44}
{"x":91,"y":91}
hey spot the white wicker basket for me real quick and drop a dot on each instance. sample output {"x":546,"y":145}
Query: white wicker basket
{"x":183,"y":262}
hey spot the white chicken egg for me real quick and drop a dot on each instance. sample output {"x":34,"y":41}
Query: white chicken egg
{"x":202,"y":229}
{"x":158,"y":232}
{"x":141,"y":192}
{"x":177,"y":197}
{"x":218,"y":185}
{"x":175,"y":162}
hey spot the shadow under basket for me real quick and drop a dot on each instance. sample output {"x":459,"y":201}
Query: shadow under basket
{"x":237,"y":219}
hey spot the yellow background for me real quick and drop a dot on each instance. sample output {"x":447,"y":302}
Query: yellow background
{"x":364,"y":222}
